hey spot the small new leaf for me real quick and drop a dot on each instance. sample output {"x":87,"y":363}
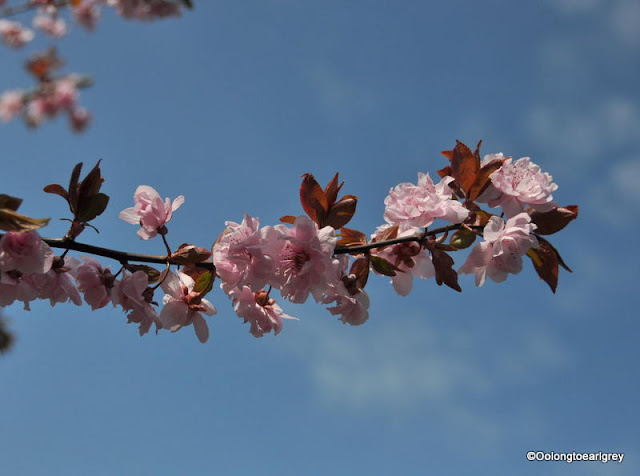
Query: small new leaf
{"x":382,"y":266}
{"x":204,"y":283}
{"x":288,"y":219}
{"x":463,"y":238}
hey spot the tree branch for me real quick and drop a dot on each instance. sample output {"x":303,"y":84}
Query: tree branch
{"x":126,"y":257}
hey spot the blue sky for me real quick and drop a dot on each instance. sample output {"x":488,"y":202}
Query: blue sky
{"x":228,"y":106}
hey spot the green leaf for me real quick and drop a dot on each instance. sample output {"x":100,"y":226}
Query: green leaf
{"x":382,"y":266}
{"x":204,"y":283}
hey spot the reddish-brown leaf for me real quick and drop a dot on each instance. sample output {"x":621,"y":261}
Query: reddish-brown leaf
{"x":313,"y":199}
{"x":91,"y":183}
{"x":341,"y":213}
{"x":464,"y":167}
{"x":73,"y":188}
{"x":482,"y":179}
{"x":360,"y":268}
{"x":443,"y":264}
{"x":444,"y":172}
{"x":389,"y":233}
{"x":58,"y":190}
{"x":555,"y":220}
{"x":190,"y":254}
{"x":448,"y":154}
{"x":352,"y":237}
{"x":288,"y":219}
{"x":478,"y":218}
{"x":546,"y":260}
{"x":332,"y":189}
{"x":92,"y":206}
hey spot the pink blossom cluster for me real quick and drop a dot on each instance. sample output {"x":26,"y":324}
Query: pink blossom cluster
{"x":42,"y":102}
{"x":519,"y":184}
{"x":29,"y":270}
{"x":299,"y":257}
{"x":297,"y":260}
{"x":48,"y":101}
{"x":14,"y":34}
{"x":501,"y":251}
{"x":411,"y":206}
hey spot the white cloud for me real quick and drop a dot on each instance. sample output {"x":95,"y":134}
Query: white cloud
{"x":584,"y":137}
{"x":624,"y":21}
{"x":408,"y":367}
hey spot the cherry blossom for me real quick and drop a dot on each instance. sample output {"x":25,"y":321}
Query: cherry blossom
{"x":303,"y":259}
{"x":352,"y":306}
{"x":259,"y":309}
{"x":238,"y":255}
{"x":182,"y":306}
{"x":501,"y":251}
{"x":519,"y":184}
{"x":11,"y":103}
{"x":14,"y":34}
{"x":410,"y":259}
{"x":95,"y":282}
{"x":50,"y":24}
{"x":58,"y":284}
{"x":410,"y":205}
{"x":150,"y":212}
{"x":79,"y":119}
{"x":144,"y":315}
{"x":26,"y":252}
{"x":128,"y":292}
{"x":14,"y":288}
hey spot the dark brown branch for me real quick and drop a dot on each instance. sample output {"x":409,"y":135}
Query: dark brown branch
{"x":120,"y":256}
{"x":125,"y":257}
{"x":405,"y":239}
